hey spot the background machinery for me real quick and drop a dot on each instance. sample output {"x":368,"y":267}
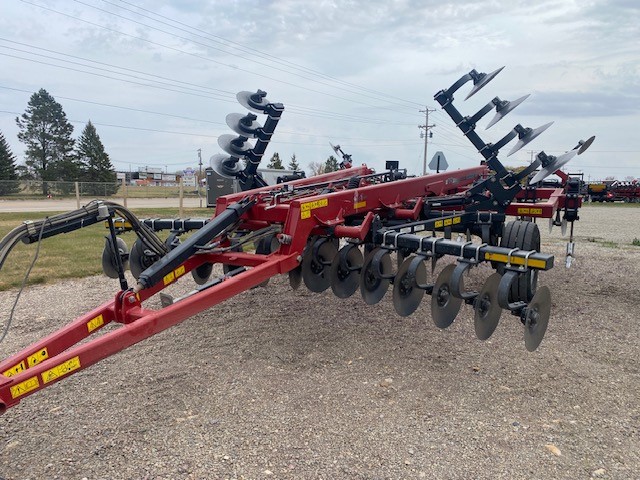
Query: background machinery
{"x":350,"y":230}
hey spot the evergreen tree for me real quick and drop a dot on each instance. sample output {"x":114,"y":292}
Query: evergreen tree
{"x":331,"y":165}
{"x":95,"y":163}
{"x":8,"y":175}
{"x":293,"y":163}
{"x":275,"y":162}
{"x":46,"y":132}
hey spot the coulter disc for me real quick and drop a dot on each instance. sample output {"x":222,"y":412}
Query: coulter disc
{"x":486,"y":309}
{"x":202,"y":273}
{"x":373,"y":287}
{"x":138,"y":260}
{"x":109,"y":265}
{"x":407,"y":295}
{"x":295,"y":277}
{"x":444,"y":306}
{"x":537,"y":318}
{"x":345,"y":279}
{"x":315,"y":272}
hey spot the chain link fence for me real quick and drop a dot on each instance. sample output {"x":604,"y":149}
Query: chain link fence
{"x":38,"y":189}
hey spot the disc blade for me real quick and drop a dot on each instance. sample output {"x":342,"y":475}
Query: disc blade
{"x":537,"y":318}
{"x":444,"y":306}
{"x":550,"y":225}
{"x":481,"y":80}
{"x":253,"y":101}
{"x":202,"y":273}
{"x":233,"y":144}
{"x":501,"y":111}
{"x":372,"y":287}
{"x":295,"y":277}
{"x":315,"y":273}
{"x":139,"y":261}
{"x":345,"y":279}
{"x":585,"y":145}
{"x":563,"y":227}
{"x":243,"y":124}
{"x":406,"y":293}
{"x":528,"y":138}
{"x":486,"y":309}
{"x":226,"y":166}
{"x":555,"y":165}
{"x":109,"y":262}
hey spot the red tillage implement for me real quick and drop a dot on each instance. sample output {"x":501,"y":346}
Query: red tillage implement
{"x":338,"y":230}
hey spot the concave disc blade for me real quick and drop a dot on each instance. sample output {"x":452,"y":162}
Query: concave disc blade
{"x":527,"y":138}
{"x":444,"y":306}
{"x":537,"y":318}
{"x":295,"y":277}
{"x":586,"y":145}
{"x":550,"y":225}
{"x":109,"y":262}
{"x":563,"y":227}
{"x":500,"y":114}
{"x":406,"y":293}
{"x":202,"y":273}
{"x":315,"y":273}
{"x":138,"y":260}
{"x":244,"y":98}
{"x":225,"y":165}
{"x":345,"y":281}
{"x":558,"y":163}
{"x":373,"y":288}
{"x":486,"y":309}
{"x":485,"y":78}
{"x":236,"y":123}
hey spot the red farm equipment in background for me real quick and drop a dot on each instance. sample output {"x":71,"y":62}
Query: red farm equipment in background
{"x":350,"y":230}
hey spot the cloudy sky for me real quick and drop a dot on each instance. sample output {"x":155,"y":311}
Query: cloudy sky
{"x":157,"y":78}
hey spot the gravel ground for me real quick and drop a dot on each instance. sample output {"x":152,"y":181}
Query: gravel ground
{"x":282,"y":384}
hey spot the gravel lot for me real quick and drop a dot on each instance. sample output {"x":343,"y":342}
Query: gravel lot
{"x":282,"y":384}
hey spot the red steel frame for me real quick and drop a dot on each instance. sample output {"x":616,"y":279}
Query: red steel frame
{"x":58,"y":356}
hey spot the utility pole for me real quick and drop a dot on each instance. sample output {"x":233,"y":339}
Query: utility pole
{"x":199,"y":175}
{"x":427,"y":134}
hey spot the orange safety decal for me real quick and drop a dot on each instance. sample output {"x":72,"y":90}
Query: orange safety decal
{"x":529,"y":211}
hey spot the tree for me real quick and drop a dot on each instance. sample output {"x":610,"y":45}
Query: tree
{"x":331,"y":165}
{"x":293,"y":163}
{"x":46,"y":132}
{"x":8,"y":175}
{"x":316,"y":168}
{"x":95,"y":163}
{"x":275,"y":162}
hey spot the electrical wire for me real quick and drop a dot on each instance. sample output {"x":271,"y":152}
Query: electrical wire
{"x":24,"y":282}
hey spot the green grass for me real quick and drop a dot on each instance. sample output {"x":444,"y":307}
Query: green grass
{"x":636,"y":242}
{"x":71,"y":255}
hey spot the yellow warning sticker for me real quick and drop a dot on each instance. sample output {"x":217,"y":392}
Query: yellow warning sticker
{"x":179,"y":271}
{"x":358,"y":205}
{"x":15,"y":370}
{"x":37,"y":357}
{"x":529,"y":211}
{"x":447,"y":222}
{"x":61,"y":370}
{"x":305,"y":208}
{"x":168,"y":278}
{"x":24,"y":387}
{"x":94,"y":323}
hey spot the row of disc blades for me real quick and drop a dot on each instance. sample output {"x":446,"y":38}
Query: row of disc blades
{"x":347,"y":270}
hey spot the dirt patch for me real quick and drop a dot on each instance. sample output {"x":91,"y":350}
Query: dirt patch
{"x":282,"y":384}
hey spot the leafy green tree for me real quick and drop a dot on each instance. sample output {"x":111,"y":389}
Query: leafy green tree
{"x":46,"y":132}
{"x":275,"y":162}
{"x":331,"y":164}
{"x":8,"y":175}
{"x":293,"y":163}
{"x":94,"y":162}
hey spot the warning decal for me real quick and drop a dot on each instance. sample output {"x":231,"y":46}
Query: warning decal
{"x":37,"y":357}
{"x":61,"y":370}
{"x":14,"y":370}
{"x":95,"y":323}
{"x":24,"y":387}
{"x":305,"y":208}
